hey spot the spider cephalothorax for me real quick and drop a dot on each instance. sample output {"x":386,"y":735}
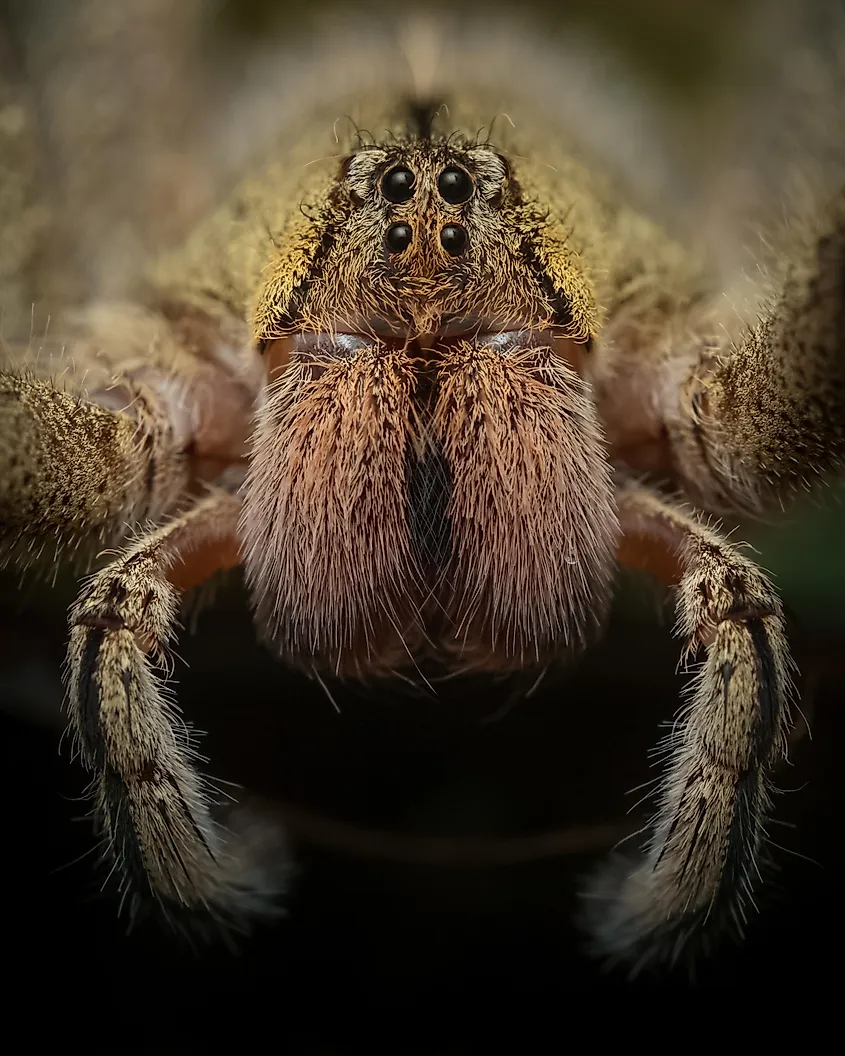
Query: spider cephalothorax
{"x":440,"y":342}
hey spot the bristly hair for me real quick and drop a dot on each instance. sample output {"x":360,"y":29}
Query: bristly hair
{"x":327,"y":546}
{"x":533,"y":519}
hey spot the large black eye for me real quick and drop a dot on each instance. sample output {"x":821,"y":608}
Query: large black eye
{"x":455,"y":185}
{"x":399,"y":237}
{"x":397,"y":185}
{"x":453,"y":239}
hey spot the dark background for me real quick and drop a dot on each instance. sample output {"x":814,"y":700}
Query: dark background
{"x":380,"y":949}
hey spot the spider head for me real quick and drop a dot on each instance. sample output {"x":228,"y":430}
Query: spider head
{"x":423,"y":236}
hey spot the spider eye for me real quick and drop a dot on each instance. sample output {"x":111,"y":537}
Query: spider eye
{"x":453,"y":239}
{"x":455,"y":185}
{"x":397,"y":185}
{"x":399,"y":237}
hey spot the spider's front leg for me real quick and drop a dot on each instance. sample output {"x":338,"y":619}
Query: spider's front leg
{"x":150,"y":801}
{"x":701,"y":863}
{"x":760,"y":414}
{"x":114,"y":423}
{"x":742,"y":416}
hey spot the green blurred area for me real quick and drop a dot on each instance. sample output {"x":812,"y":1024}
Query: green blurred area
{"x":805,"y":551}
{"x":680,"y":45}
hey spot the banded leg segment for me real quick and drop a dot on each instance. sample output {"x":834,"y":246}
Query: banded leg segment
{"x":700,"y":865}
{"x":151,"y":803}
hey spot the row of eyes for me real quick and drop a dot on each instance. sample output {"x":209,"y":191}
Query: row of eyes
{"x":453,"y":238}
{"x":454,"y":184}
{"x":455,"y":187}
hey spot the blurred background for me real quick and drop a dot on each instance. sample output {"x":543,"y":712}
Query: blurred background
{"x":440,"y":840}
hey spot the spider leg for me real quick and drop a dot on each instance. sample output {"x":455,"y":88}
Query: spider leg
{"x":73,"y":470}
{"x":741,"y":414}
{"x":762,"y":412}
{"x":152,"y":805}
{"x":700,"y":864}
{"x":114,"y":424}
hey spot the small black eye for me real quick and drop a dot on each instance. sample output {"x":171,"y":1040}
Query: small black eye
{"x":397,"y":185}
{"x":455,"y":185}
{"x":399,"y":237}
{"x":453,"y":239}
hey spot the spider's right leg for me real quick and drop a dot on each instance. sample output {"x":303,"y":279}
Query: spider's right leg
{"x":700,"y":869}
{"x":741,"y":414}
{"x":151,"y":803}
{"x":115,"y":425}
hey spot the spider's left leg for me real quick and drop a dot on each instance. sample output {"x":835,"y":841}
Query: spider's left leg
{"x":150,"y":802}
{"x":742,"y":414}
{"x":701,"y":862}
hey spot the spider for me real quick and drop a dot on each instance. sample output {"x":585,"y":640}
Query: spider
{"x":430,"y":389}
